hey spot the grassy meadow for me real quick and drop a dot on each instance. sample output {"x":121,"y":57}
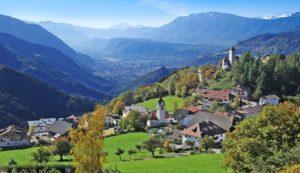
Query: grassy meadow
{"x":141,"y":162}
{"x":169,"y":100}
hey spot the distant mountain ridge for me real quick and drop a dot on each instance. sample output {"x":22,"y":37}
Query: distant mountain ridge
{"x":50,"y":66}
{"x":279,"y":43}
{"x":212,"y":28}
{"x":36,"y":34}
{"x":23,"y":98}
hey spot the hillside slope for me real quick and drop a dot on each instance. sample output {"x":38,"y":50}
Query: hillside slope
{"x":149,"y":78}
{"x":24,"y":98}
{"x":51,"y":66}
{"x":36,"y":34}
{"x":281,"y":43}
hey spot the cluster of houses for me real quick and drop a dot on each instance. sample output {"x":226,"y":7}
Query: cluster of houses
{"x":196,"y":121}
{"x":47,"y":129}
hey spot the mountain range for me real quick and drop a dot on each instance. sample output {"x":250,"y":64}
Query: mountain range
{"x":212,"y":28}
{"x":279,"y":43}
{"x":51,"y":66}
{"x":24,"y":98}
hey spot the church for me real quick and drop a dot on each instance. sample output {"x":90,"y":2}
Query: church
{"x":159,"y":117}
{"x":227,"y":62}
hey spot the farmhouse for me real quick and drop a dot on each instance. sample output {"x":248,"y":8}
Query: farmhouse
{"x":140,"y":109}
{"x":269,"y":100}
{"x":112,"y":120}
{"x":220,"y":96}
{"x":13,"y":136}
{"x":214,"y":125}
{"x":58,"y":129}
{"x":40,"y":126}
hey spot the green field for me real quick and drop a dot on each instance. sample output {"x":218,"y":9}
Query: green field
{"x":222,"y":84}
{"x":202,"y":163}
{"x":169,"y":100}
{"x":139,"y":163}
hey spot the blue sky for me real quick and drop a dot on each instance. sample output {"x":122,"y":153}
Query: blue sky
{"x":104,"y":13}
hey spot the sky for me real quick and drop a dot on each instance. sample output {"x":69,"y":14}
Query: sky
{"x":105,"y":13}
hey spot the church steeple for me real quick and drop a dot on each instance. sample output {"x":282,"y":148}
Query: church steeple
{"x":161,"y":109}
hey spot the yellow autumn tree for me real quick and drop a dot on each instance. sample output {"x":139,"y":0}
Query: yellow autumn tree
{"x":88,"y":142}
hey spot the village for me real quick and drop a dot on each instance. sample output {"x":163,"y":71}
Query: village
{"x":185,"y":127}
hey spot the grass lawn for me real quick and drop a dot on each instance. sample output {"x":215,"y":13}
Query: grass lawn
{"x":202,"y":163}
{"x":222,"y":84}
{"x":141,"y":162}
{"x":125,"y":142}
{"x":169,"y":100}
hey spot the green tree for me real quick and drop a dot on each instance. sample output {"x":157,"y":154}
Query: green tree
{"x":214,"y":106}
{"x":138,"y":147}
{"x":62,"y":147}
{"x":236,"y":103}
{"x":118,"y":107}
{"x":42,"y":155}
{"x":131,"y":152}
{"x":134,"y":121}
{"x":119,"y":153}
{"x":265,"y":143}
{"x":152,"y":144}
{"x":206,"y":143}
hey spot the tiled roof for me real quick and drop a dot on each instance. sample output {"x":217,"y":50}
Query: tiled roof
{"x":41,"y":122}
{"x":59,"y":127}
{"x":179,"y":114}
{"x":138,"y":108}
{"x":252,"y":110}
{"x":213,"y":94}
{"x":194,"y":109}
{"x":221,"y":120}
{"x":12,"y":129}
{"x":202,"y":129}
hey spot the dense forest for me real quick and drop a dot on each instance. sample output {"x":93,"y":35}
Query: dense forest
{"x":24,"y":98}
{"x":275,"y":74}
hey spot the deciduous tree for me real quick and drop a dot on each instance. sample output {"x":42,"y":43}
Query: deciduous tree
{"x":88,"y":142}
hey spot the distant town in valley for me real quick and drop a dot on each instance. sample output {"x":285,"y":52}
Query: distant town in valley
{"x":205,"y":92}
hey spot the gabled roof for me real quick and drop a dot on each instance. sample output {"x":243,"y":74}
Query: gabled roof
{"x":59,"y":127}
{"x":138,"y":108}
{"x":213,"y":94}
{"x":179,"y":114}
{"x":202,"y":129}
{"x":221,"y":120}
{"x":12,"y":130}
{"x":271,"y":97}
{"x":41,"y":122}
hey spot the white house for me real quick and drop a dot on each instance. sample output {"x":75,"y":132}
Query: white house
{"x":215,"y":125}
{"x":269,"y":99}
{"x":197,"y":131}
{"x":112,"y":120}
{"x":13,"y":136}
{"x":40,"y":126}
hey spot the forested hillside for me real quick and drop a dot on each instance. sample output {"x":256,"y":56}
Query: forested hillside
{"x":24,"y":98}
{"x":281,"y":43}
{"x":51,"y":66}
